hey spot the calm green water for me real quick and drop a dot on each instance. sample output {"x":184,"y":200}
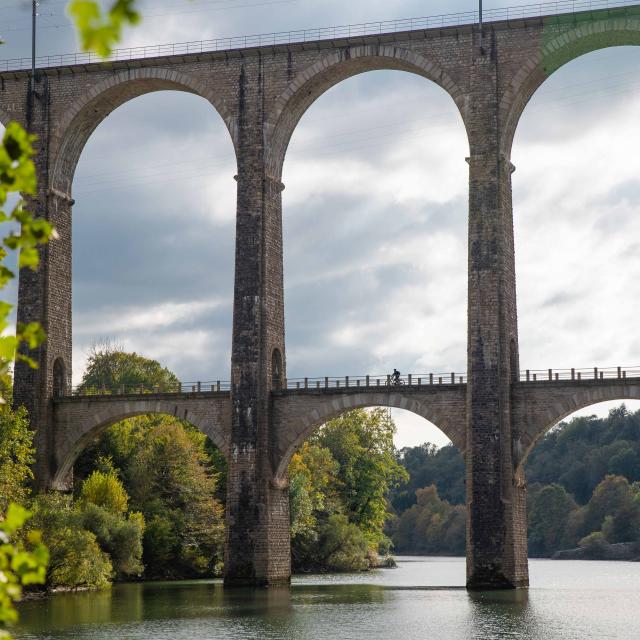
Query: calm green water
{"x":423,"y":598}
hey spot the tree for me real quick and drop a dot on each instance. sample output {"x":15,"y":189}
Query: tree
{"x":361,"y":442}
{"x":106,"y":491}
{"x":16,"y":456}
{"x":103,"y":503}
{"x":76,"y":559}
{"x":549,"y":509}
{"x":167,"y":472}
{"x":109,"y":368}
{"x":431,"y":526}
{"x":427,"y":464}
{"x":173,"y":486}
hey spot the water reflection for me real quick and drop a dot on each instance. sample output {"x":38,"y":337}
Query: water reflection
{"x":398,"y":604}
{"x":502,"y":614}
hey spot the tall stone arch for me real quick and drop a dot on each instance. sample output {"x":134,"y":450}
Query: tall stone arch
{"x":563,"y":39}
{"x":72,"y":132}
{"x":335,"y":67}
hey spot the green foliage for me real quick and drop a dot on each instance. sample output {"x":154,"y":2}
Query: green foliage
{"x":432,"y":526}
{"x":168,"y":473}
{"x":16,"y":456}
{"x":361,"y":442}
{"x":342,"y":546}
{"x":175,"y":490}
{"x":18,"y":176}
{"x":22,"y":562}
{"x":100,"y":30}
{"x":119,"y":537}
{"x":92,"y":539}
{"x":339,"y":482}
{"x":105,"y":490}
{"x":427,"y":464}
{"x":579,"y":454}
{"x":595,"y":544}
{"x":110,"y":369}
{"x":549,"y":510}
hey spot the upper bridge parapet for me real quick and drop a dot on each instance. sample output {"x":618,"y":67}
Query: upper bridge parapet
{"x":315,"y":36}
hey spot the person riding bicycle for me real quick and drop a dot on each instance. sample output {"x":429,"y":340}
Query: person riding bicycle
{"x":395,"y":376}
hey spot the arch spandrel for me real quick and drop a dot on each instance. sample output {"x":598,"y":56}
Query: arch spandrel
{"x":79,"y":424}
{"x":562,"y":40}
{"x":299,"y":417}
{"x":311,"y":83}
{"x":80,"y":120}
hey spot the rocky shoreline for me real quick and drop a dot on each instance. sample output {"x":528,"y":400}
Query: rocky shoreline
{"x":629,"y":551}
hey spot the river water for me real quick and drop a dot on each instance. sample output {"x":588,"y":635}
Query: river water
{"x":423,"y":598}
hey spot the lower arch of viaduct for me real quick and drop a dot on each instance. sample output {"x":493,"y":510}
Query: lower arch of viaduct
{"x":79,"y":421}
{"x":540,"y":406}
{"x":298,"y":416}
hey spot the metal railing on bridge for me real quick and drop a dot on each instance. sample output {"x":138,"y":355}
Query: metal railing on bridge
{"x":593,"y":373}
{"x":379,"y":382}
{"x":139,"y":389}
{"x":323,"y":33}
{"x":386,"y":381}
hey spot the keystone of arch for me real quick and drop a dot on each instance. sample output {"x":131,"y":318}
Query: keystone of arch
{"x":332,"y":69}
{"x":72,"y":131}
{"x":585,"y":37}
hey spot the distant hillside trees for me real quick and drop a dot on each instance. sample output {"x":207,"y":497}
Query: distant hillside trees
{"x":584,"y":479}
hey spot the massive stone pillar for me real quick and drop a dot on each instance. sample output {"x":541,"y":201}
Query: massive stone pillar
{"x":257,"y":533}
{"x":45,"y":296}
{"x":496,"y":522}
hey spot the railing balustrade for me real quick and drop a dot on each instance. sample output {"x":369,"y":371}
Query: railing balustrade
{"x":363,"y":382}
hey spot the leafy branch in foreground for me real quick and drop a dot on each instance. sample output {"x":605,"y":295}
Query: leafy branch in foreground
{"x":19,"y":566}
{"x":100,"y":30}
{"x":18,"y":175}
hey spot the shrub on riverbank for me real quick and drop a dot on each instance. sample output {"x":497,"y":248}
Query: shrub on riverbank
{"x":91,"y":540}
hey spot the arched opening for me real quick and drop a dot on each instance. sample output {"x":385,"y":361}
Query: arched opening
{"x":154,"y":221}
{"x":575,"y":200}
{"x":358,"y":491}
{"x":276,"y":369}
{"x":374,"y":218}
{"x":514,"y":360}
{"x":175,"y":476}
{"x":60,"y":383}
{"x":583,"y":487}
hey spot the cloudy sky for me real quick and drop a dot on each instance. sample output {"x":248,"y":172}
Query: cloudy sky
{"x":375,"y":210}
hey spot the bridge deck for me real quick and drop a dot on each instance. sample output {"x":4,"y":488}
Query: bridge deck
{"x":331,"y":36}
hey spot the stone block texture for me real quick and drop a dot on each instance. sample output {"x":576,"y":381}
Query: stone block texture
{"x":261,"y":94}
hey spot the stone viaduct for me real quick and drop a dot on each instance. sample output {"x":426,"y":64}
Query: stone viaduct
{"x":261,"y":93}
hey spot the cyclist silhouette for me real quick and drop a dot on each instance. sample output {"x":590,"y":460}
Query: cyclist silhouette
{"x":395,"y":376}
